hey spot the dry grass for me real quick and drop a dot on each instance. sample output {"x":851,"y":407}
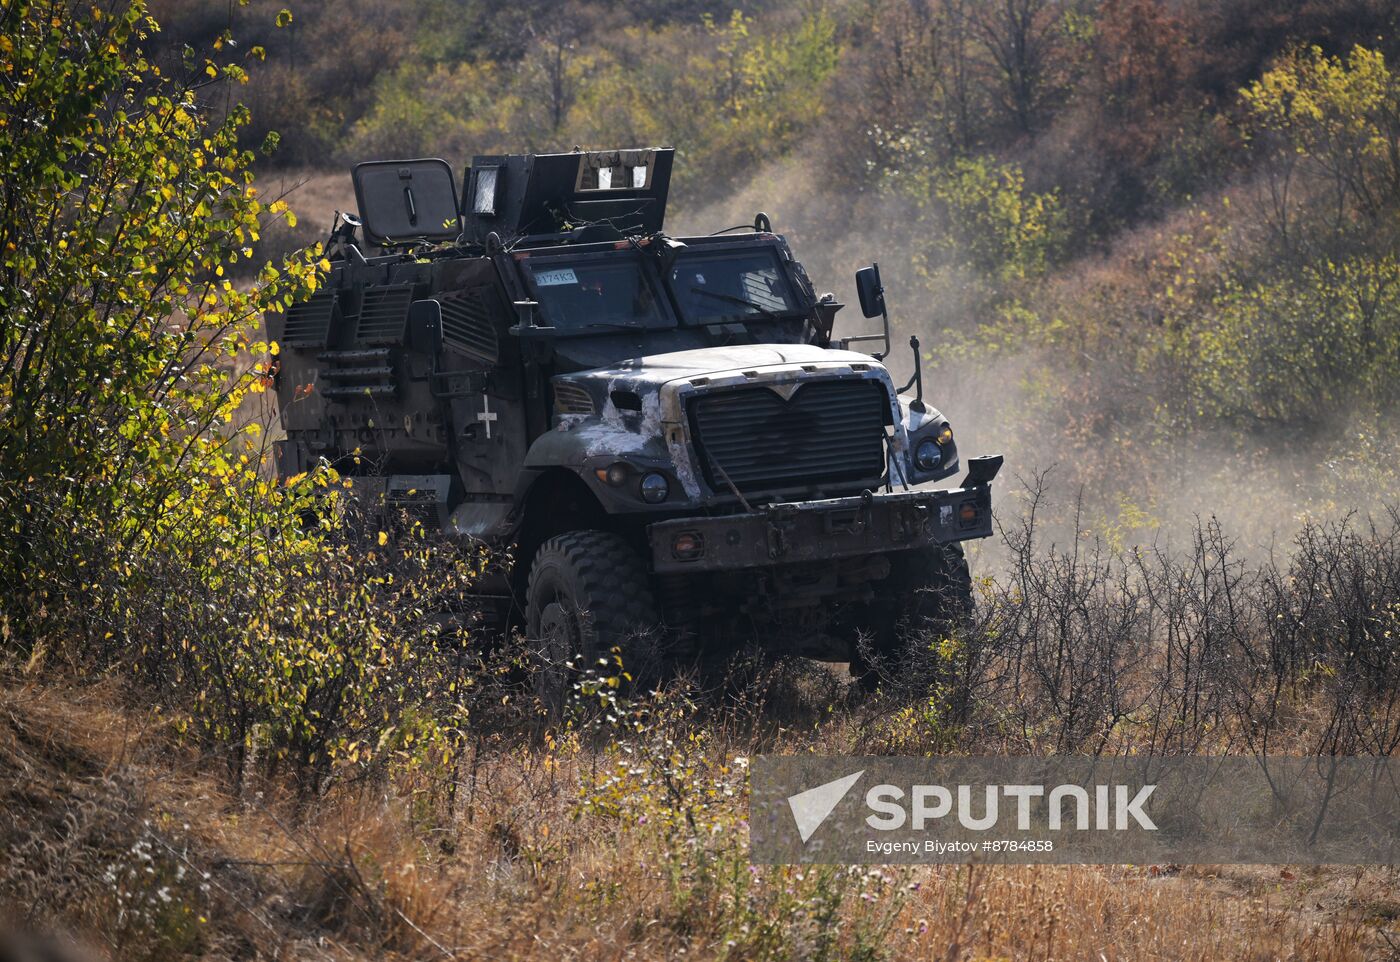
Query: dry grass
{"x":560,"y":849}
{"x":622,"y":834}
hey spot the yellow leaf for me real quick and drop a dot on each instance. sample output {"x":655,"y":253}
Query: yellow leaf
{"x":383,"y":539}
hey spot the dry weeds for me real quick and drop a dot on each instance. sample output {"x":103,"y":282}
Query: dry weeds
{"x":567,"y":847}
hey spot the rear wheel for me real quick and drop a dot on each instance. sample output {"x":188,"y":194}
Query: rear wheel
{"x":927,"y":595}
{"x":588,"y":593}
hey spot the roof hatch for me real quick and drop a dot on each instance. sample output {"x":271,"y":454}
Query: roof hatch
{"x":402,"y":201}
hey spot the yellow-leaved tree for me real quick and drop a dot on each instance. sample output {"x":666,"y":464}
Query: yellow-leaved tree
{"x":125,"y":351}
{"x":143,"y":528}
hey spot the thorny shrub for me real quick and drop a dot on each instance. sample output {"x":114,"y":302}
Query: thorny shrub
{"x":1085,"y":648}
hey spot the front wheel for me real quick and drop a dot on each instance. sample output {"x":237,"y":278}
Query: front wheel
{"x":588,"y":593}
{"x":927,"y":595}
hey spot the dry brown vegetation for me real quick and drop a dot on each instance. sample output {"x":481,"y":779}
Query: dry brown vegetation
{"x":133,"y":844}
{"x":620,"y":830}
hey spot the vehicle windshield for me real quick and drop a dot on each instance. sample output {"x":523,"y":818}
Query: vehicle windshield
{"x":731,"y":285}
{"x":595,"y":294}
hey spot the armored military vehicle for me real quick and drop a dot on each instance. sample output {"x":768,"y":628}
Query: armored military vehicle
{"x":659,"y":429}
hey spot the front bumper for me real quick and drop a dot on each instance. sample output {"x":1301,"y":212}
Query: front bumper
{"x":801,"y":531}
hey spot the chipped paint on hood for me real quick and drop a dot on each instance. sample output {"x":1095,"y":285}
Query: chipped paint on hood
{"x":612,"y":432}
{"x":662,"y":380}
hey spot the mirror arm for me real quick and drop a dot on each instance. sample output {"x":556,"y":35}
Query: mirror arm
{"x":885,"y":338}
{"x":425,"y":337}
{"x":918,"y":379}
{"x":872,"y":289}
{"x":537,"y":339}
{"x":885,"y":314}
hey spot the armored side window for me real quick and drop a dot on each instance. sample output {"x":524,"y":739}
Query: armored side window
{"x":592,"y":292}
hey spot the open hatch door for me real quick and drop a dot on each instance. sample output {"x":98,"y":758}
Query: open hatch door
{"x":402,"y":201}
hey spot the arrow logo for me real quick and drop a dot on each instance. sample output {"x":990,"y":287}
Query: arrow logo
{"x":811,"y":808}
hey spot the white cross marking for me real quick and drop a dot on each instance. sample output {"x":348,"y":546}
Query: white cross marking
{"x":487,"y":415}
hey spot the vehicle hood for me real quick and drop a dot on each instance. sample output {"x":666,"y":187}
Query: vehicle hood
{"x":651,"y":423}
{"x":716,"y":363}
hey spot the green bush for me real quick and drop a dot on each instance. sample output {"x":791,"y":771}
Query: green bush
{"x":1341,"y":119}
{"x":1297,"y":351}
{"x":145,"y":532}
{"x":125,"y":353}
{"x":317,"y":656}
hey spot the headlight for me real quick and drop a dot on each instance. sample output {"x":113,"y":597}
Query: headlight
{"x":655,"y":488}
{"x":927,"y":455}
{"x":615,"y":474}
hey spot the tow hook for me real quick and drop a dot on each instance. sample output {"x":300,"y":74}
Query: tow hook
{"x":780,"y":518}
{"x":911,"y":522}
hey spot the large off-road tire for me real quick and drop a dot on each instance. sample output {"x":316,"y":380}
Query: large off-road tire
{"x":927,"y":595}
{"x":588,"y":593}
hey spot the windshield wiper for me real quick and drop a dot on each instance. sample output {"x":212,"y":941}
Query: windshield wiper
{"x":732,"y":299}
{"x":617,"y":326}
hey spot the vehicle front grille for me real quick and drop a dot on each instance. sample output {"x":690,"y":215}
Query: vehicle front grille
{"x":828,"y":432}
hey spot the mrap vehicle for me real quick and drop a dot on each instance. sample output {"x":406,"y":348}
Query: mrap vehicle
{"x":658,"y":430}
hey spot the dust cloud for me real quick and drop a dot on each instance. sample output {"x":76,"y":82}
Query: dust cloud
{"x":1259,"y":490}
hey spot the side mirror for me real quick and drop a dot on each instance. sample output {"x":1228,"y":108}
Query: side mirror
{"x":425,"y":327}
{"x":871,"y":291}
{"x":872,"y":303}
